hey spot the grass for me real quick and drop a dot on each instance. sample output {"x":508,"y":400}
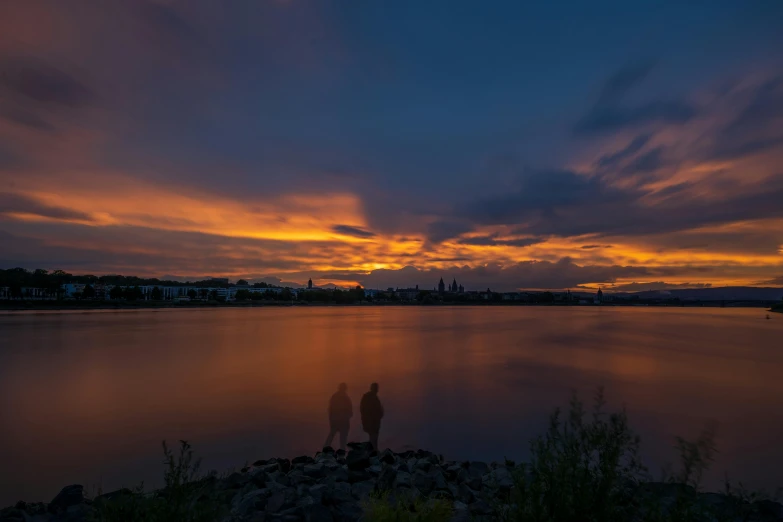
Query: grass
{"x":187,"y":496}
{"x":385,"y":507}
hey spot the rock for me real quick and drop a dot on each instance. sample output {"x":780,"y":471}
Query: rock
{"x":453,"y":491}
{"x":315,"y":471}
{"x":292,"y":514}
{"x":328,"y":450}
{"x":423,"y":464}
{"x":475,"y":483}
{"x":387,"y":478}
{"x":67,"y":497}
{"x":499,"y":478}
{"x":347,"y":512}
{"x":358,"y":460}
{"x":270,"y":467}
{"x":423,"y":482}
{"x":462,"y":476}
{"x":305,"y":501}
{"x":461,"y":513}
{"x":260,"y":463}
{"x":297,"y":477}
{"x":375,"y":469}
{"x":362,"y":490}
{"x":478,"y":469}
{"x":303,"y":460}
{"x":340,"y":453}
{"x":358,"y":476}
{"x":280,"y":478}
{"x":403,"y":480}
{"x":77,"y":513}
{"x":276,"y":502}
{"x":318,"y":492}
{"x":252,"y":502}
{"x":341,"y":494}
{"x":284,"y":465}
{"x":452,"y":472}
{"x":769,"y":509}
{"x":438,"y":479}
{"x":387,"y":457}
{"x":340,"y":475}
{"x":466,"y":494}
{"x":114,"y":495}
{"x":480,"y":508}
{"x":317,"y":513}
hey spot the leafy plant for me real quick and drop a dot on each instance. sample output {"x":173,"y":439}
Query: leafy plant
{"x":385,"y":508}
{"x":584,"y":468}
{"x":186,"y":497}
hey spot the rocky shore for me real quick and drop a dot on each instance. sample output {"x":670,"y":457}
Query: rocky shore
{"x":335,"y":486}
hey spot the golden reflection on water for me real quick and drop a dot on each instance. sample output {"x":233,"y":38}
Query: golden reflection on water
{"x":87,"y":397}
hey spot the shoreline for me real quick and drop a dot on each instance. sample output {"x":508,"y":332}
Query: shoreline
{"x":44,"y":306}
{"x":347,"y":487}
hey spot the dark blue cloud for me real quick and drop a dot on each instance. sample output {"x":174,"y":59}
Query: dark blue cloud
{"x":353,"y":231}
{"x":42,"y":83}
{"x":492,"y":240}
{"x":611,"y":160}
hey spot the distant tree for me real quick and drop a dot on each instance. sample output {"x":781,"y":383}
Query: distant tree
{"x":286,"y":295}
{"x":242,"y":282}
{"x":213,"y":295}
{"x":16,"y":291}
{"x":116,"y":292}
{"x":203,"y":293}
{"x":88,"y":292}
{"x":156,"y":294}
{"x":243,"y":295}
{"x":132,"y":293}
{"x":192,"y":294}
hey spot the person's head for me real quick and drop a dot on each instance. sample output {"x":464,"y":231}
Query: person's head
{"x":374,"y":387}
{"x":342,"y":388}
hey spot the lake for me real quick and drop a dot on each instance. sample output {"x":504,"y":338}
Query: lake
{"x":87,"y":397}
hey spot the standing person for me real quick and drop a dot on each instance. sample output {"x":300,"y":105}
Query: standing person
{"x":372,"y":413}
{"x":340,"y":413}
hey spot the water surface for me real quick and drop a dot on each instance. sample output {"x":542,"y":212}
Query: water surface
{"x":87,"y":397}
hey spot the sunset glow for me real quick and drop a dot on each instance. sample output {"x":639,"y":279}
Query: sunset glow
{"x":193,"y":142}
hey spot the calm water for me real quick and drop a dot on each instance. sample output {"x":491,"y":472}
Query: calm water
{"x":87,"y":397}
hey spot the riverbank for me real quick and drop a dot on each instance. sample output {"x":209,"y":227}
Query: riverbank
{"x":59,"y":306}
{"x":365,"y":485}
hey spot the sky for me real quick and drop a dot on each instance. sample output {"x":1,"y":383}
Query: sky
{"x":509,"y":145}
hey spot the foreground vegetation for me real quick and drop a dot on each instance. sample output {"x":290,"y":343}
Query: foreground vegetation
{"x":584,"y":468}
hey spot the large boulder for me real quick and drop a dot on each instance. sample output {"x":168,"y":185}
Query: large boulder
{"x":315,"y":471}
{"x":358,"y":460}
{"x":499,"y":478}
{"x":362,"y":490}
{"x":69,"y":496}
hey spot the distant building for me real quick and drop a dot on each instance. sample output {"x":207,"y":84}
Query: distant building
{"x":441,"y":286}
{"x":599,"y":298}
{"x":309,"y":284}
{"x":408,"y":294}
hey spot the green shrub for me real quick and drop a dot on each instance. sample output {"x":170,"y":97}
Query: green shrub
{"x":186,"y":497}
{"x":384,"y":508}
{"x":584,"y":468}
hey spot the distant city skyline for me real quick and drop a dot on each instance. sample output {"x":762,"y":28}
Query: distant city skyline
{"x":508,"y":144}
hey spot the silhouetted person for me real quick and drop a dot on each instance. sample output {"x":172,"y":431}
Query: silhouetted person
{"x":340,"y":413}
{"x":372,"y":413}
